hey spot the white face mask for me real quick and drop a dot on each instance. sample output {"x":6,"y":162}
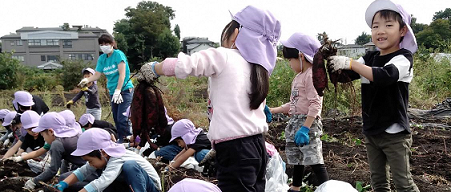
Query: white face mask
{"x":106,"y":49}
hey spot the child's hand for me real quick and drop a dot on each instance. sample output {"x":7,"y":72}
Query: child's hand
{"x":339,"y":62}
{"x":84,"y":88}
{"x":301,"y":138}
{"x":69,"y":103}
{"x":268,"y":114}
{"x":61,"y":186}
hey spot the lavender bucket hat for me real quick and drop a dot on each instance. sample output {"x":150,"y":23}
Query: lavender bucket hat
{"x":409,"y":42}
{"x":30,"y":119}
{"x":170,"y":120}
{"x":56,"y":122}
{"x":9,"y":118}
{"x":3,"y":113}
{"x":86,"y":118}
{"x":185,"y":129}
{"x":188,"y":184}
{"x":23,"y":98}
{"x":71,"y":122}
{"x":96,"y":139}
{"x":257,"y":39}
{"x":303,"y":43}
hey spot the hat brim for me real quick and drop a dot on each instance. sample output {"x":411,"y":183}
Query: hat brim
{"x":376,"y":6}
{"x":117,"y":150}
{"x":286,"y":43}
{"x":6,"y":123}
{"x":31,"y":125}
{"x":38,"y":129}
{"x":81,"y":152}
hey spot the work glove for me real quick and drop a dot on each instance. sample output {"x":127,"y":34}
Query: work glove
{"x":69,"y":103}
{"x":16,"y":159}
{"x":268,"y":114}
{"x":30,"y":185}
{"x":301,"y":138}
{"x":339,"y":62}
{"x":84,"y":88}
{"x":147,"y":73}
{"x":61,"y":186}
{"x":117,"y":97}
{"x":83,"y":82}
{"x":5,"y":144}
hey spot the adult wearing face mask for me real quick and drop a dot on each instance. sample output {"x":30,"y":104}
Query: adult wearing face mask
{"x":113,"y":63}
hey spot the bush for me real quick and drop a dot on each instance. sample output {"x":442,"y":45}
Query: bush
{"x":8,"y":71}
{"x":41,"y":82}
{"x":71,"y":72}
{"x":280,"y":84}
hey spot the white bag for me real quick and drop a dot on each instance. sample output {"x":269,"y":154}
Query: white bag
{"x":335,"y":186}
{"x":276,"y":179}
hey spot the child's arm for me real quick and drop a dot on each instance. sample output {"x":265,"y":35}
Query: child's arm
{"x":181,"y":152}
{"x":77,"y":97}
{"x":34,"y":154}
{"x":13,"y":150}
{"x":343,"y":62}
{"x":285,"y":108}
{"x":20,"y":151}
{"x":181,"y":158}
{"x":56,"y":152}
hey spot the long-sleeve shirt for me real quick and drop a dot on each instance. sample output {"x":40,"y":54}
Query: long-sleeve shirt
{"x":113,"y":169}
{"x":304,"y":99}
{"x":60,"y":149}
{"x":91,"y":96}
{"x":229,"y":91}
{"x":385,"y":99}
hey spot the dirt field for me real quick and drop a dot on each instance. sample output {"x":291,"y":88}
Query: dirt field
{"x":343,"y":150}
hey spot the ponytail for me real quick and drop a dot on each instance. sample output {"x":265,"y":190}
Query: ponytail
{"x":259,"y":85}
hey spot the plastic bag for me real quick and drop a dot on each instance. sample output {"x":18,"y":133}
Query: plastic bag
{"x":335,"y":186}
{"x":276,"y":179}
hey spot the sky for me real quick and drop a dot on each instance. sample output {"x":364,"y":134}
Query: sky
{"x":340,"y":19}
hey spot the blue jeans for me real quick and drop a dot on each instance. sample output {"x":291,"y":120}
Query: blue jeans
{"x":168,"y":152}
{"x":201,"y":154}
{"x":122,"y":124}
{"x":136,"y":177}
{"x":96,"y":112}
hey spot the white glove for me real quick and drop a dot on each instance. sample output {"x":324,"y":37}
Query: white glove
{"x":83,"y":82}
{"x":117,"y":97}
{"x":339,"y":62}
{"x":6,"y":143}
{"x":30,"y":185}
{"x":16,"y":159}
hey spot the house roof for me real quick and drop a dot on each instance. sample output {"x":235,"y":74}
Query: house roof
{"x":348,"y":46}
{"x":50,"y":65}
{"x":33,"y":29}
{"x":369,"y":44}
{"x":199,"y":41}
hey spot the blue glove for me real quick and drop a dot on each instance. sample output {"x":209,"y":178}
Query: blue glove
{"x":61,"y":186}
{"x":268,"y":114}
{"x":301,"y":138}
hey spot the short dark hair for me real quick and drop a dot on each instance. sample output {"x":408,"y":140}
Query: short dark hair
{"x":86,"y":72}
{"x":107,"y":38}
{"x":290,"y":53}
{"x":389,"y":14}
{"x":95,"y":153}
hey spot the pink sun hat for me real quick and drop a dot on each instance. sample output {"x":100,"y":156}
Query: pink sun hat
{"x":23,"y":98}
{"x":185,"y":129}
{"x":303,"y":43}
{"x":86,"y":118}
{"x":409,"y":42}
{"x":30,"y":119}
{"x":258,"y":36}
{"x":96,"y":139}
{"x":189,"y":185}
{"x":56,"y":122}
{"x":8,"y":120}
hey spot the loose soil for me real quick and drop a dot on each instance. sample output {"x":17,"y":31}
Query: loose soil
{"x":343,"y":150}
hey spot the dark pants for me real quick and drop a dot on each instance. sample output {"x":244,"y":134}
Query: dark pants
{"x":241,"y":164}
{"x":121,"y":122}
{"x":168,"y":152}
{"x":390,"y":152}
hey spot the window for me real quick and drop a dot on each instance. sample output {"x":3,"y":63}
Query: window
{"x":87,"y":56}
{"x":19,"y":42}
{"x":51,"y":42}
{"x":67,"y":43}
{"x":43,"y":58}
{"x":52,"y":58}
{"x":72,"y":56}
{"x":34,"y":42}
{"x":19,"y":57}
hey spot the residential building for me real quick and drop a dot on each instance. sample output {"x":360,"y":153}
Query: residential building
{"x":35,"y":46}
{"x":351,"y":50}
{"x":370,"y":46}
{"x":192,"y":45}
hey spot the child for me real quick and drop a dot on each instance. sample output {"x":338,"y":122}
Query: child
{"x":90,"y":91}
{"x":87,"y":121}
{"x":385,"y":76}
{"x":63,"y":141}
{"x":194,"y":142}
{"x":31,"y":141}
{"x":239,"y":72}
{"x":304,"y":129}
{"x":71,"y":122}
{"x":96,"y":147}
{"x":25,"y":101}
{"x":3,"y":114}
{"x":13,"y":125}
{"x":194,"y":185}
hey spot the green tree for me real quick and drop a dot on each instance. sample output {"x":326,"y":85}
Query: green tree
{"x":168,"y":44}
{"x":177,"y":31}
{"x":363,"y":38}
{"x":8,"y":71}
{"x":65,"y":26}
{"x":417,"y":27}
{"x":436,"y":36}
{"x":445,"y":15}
{"x":141,"y":30}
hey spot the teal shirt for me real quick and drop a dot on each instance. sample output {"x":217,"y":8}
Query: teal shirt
{"x":108,"y":66}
